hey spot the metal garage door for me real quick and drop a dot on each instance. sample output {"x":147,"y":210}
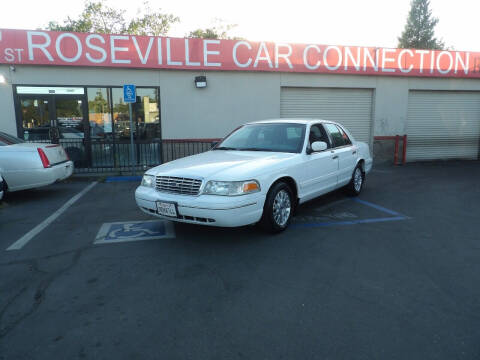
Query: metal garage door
{"x":443,"y":125}
{"x":350,"y":107}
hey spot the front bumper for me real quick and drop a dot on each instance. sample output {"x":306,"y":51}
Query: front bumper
{"x":212,"y":210}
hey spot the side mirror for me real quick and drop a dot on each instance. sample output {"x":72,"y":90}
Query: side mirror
{"x":319,"y":146}
{"x":213,"y":144}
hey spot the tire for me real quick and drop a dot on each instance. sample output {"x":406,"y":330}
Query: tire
{"x":278,"y":208}
{"x":355,"y":186}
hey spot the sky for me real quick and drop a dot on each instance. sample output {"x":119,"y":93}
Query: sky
{"x":346,"y":22}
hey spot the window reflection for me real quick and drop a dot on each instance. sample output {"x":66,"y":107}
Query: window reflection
{"x":69,"y":118}
{"x":120,"y":115}
{"x":35,"y":118}
{"x":145,"y":112}
{"x":99,"y":114}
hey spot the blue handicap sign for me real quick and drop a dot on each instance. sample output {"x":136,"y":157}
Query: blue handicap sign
{"x":129,"y":93}
{"x":134,"y":231}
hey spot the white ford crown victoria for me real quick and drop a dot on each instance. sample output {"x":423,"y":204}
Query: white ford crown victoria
{"x":258,"y":173}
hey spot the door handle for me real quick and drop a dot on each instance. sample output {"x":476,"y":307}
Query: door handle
{"x":334,"y":157}
{"x":354,"y":152}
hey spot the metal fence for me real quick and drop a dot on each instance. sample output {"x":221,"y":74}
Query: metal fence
{"x":100,"y":156}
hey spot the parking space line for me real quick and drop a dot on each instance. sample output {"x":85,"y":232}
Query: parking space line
{"x":348,"y":222}
{"x":17,"y":245}
{"x":395,"y":216}
{"x":378,"y":207}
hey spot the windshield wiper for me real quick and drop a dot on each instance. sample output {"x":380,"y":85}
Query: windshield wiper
{"x":224,"y":148}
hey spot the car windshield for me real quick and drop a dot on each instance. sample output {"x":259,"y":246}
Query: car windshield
{"x":275,"y":137}
{"x":9,"y":139}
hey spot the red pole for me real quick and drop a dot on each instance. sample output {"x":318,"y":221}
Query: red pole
{"x":395,"y":156}
{"x":404,"y":149}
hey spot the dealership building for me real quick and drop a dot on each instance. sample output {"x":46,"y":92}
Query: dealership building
{"x":68,"y":86}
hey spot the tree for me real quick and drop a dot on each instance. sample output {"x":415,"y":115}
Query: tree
{"x":218,"y":30}
{"x":419,"y":32}
{"x":100,"y":18}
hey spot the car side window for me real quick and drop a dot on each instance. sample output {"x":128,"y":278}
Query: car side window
{"x":337,"y":135}
{"x":318,"y":133}
{"x":346,"y":139}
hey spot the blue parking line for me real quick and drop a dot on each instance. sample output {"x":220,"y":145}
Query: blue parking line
{"x":122,"y":178}
{"x":348,"y":222}
{"x":378,"y":207}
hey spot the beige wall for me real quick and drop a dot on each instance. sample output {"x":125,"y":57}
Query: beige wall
{"x":230,"y":99}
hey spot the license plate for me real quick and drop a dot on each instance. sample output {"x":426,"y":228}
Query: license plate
{"x":166,"y":209}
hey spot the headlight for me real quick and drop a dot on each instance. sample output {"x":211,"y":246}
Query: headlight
{"x":148,"y":180}
{"x":231,"y":188}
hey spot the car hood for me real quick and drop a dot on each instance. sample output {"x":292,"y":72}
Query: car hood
{"x":223,"y":165}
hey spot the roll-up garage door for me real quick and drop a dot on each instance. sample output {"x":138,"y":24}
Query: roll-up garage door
{"x":349,"y":107}
{"x":443,"y":125}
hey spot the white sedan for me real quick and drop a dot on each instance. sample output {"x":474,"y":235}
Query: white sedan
{"x":258,"y":173}
{"x":30,"y":165}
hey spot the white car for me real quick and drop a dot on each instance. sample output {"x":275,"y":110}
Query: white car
{"x":258,"y":173}
{"x":31,"y":165}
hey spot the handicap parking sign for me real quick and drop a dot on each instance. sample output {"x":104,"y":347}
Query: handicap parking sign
{"x":129,"y":93}
{"x":134,"y":231}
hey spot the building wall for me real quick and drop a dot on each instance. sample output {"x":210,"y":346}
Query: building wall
{"x":231,"y":98}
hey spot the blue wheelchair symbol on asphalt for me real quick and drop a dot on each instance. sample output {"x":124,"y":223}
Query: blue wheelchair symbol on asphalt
{"x":134,"y":231}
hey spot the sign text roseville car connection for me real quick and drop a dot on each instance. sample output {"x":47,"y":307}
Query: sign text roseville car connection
{"x":130,"y":51}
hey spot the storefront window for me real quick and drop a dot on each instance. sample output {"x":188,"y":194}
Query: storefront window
{"x":99,"y":114}
{"x":120,"y":115}
{"x":147,"y":114}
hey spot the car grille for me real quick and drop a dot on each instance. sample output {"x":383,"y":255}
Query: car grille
{"x":178,"y":185}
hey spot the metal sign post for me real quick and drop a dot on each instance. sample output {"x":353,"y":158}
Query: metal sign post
{"x":129,"y":96}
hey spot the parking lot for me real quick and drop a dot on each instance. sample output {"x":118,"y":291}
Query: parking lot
{"x":393,"y":274}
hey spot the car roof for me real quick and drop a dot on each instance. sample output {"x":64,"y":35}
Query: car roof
{"x":305,"y":121}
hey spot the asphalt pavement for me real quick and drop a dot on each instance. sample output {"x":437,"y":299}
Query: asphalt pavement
{"x":394,"y":274}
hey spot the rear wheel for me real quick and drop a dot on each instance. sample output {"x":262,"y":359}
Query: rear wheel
{"x":278,"y":208}
{"x":355,"y":185}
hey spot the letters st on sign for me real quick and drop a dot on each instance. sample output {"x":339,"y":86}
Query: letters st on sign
{"x":130,"y":51}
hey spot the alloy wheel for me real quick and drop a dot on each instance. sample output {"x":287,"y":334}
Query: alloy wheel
{"x":357,"y":179}
{"x":282,"y":208}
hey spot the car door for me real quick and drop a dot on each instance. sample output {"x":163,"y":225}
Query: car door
{"x":321,"y":167}
{"x":345,"y":150}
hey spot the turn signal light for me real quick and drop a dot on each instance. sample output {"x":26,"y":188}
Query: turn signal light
{"x":250,"y":186}
{"x":44,"y":158}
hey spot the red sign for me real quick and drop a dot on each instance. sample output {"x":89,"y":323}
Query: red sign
{"x":35,"y":47}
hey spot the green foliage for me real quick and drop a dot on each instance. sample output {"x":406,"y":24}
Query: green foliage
{"x":419,"y":32}
{"x":100,"y":18}
{"x":217,"y":31}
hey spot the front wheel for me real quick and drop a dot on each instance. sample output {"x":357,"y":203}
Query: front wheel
{"x":278,"y":208}
{"x":355,"y":185}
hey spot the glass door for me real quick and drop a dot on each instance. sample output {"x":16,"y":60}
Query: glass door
{"x":56,"y":118}
{"x":69,"y":116}
{"x":72,"y":132}
{"x":36,"y":119}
